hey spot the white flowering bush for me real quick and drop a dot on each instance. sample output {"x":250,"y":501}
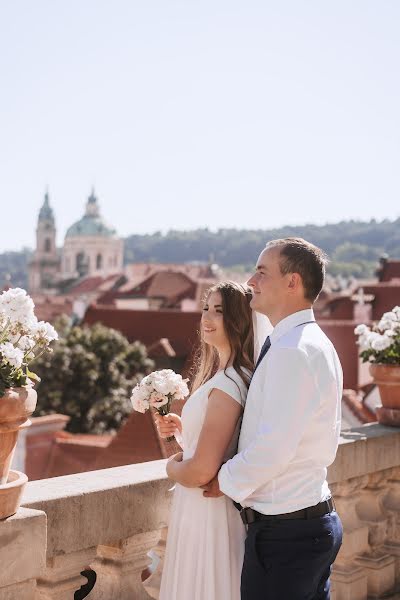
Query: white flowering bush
{"x":22,"y":339}
{"x":158,"y":390}
{"x":381,"y":342}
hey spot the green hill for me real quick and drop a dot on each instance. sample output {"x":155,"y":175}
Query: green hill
{"x":354,"y":247}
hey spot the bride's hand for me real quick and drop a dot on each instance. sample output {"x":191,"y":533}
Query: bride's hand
{"x":167,"y":426}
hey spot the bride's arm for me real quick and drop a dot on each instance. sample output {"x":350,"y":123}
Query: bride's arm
{"x":216,"y":434}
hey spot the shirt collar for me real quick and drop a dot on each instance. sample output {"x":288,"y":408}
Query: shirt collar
{"x":291,"y":321}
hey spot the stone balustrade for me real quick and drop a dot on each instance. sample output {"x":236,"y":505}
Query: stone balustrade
{"x":109,"y":520}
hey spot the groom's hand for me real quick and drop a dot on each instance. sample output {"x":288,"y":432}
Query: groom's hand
{"x":211,"y":489}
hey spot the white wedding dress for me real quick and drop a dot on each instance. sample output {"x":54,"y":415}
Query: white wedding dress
{"x":205,"y":544}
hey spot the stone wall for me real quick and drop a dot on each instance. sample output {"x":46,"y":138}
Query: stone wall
{"x":109,"y":520}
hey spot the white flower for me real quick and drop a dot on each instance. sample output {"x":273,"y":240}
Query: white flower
{"x":182,"y":390}
{"x":25,"y":343}
{"x":157,"y":400}
{"x":382,"y":342}
{"x":361,"y":330}
{"x":138,"y":399}
{"x":44,"y":331}
{"x":17,"y":306}
{"x":388,"y":321}
{"x":364,"y":342}
{"x":147,"y":380}
{"x":164,"y":385}
{"x":13,"y":356}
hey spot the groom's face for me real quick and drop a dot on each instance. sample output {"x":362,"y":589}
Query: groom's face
{"x":268,"y":284}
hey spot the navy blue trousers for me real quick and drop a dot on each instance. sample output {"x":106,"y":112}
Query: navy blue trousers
{"x":290,"y":560}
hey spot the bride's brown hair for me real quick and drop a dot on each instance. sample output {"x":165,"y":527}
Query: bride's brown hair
{"x":238,"y":325}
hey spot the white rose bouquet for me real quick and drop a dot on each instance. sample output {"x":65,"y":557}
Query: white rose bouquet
{"x":158,"y":390}
{"x":22,"y":339}
{"x":381,"y":342}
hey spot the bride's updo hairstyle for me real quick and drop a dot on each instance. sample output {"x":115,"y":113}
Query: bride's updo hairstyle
{"x":238,"y":325}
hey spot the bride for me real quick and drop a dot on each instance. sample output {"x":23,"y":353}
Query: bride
{"x":205,"y":544}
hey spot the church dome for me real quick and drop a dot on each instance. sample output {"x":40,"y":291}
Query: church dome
{"x":91,"y":224}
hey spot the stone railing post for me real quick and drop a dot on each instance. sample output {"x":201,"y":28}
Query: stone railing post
{"x":378,"y":563}
{"x":62,"y":576}
{"x":119,"y":568}
{"x":391,"y":502}
{"x":349,"y":579}
{"x":153,"y":583}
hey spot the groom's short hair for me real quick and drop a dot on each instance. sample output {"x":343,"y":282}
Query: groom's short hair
{"x":302,"y":257}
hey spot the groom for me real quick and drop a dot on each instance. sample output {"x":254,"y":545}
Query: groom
{"x":289,"y":435}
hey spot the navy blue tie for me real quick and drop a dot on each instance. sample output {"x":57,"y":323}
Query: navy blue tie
{"x":265,"y":347}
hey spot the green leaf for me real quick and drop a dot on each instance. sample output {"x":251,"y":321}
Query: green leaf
{"x":32,"y":375}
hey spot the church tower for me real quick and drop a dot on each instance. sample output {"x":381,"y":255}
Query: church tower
{"x":44,"y":267}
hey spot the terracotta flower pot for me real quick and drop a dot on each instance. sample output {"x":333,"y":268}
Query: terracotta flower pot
{"x":11,"y":493}
{"x":16,"y":406}
{"x":387,"y":378}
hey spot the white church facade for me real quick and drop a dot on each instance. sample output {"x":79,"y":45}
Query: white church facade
{"x":91,"y":248}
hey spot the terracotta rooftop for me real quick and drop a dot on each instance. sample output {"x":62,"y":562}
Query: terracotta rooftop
{"x":140,"y":271}
{"x":389,"y":269}
{"x":55,"y":453}
{"x":48,"y":308}
{"x":148,"y":326}
{"x":93,"y":284}
{"x":354,"y":401}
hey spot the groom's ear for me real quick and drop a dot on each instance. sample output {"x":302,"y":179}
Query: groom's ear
{"x":295,"y":282}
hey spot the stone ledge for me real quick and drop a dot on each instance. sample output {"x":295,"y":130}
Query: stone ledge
{"x":101,"y":507}
{"x":364,"y":450}
{"x":23,"y":547}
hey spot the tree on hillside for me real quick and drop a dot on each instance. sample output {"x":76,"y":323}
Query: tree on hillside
{"x":89,"y":376}
{"x":351,"y":245}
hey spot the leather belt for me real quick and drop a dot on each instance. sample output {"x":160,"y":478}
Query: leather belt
{"x":248,"y":515}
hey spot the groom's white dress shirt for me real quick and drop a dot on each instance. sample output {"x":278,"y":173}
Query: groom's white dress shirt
{"x":291,"y":423}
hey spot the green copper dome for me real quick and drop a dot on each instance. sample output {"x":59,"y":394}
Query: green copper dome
{"x":91,"y":224}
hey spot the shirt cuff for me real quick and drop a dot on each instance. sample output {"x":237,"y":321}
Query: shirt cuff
{"x":226,"y":486}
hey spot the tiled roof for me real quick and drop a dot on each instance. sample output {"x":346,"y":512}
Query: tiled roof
{"x":95,"y":283}
{"x":142,"y":270}
{"x":386,"y":296}
{"x":48,"y":308}
{"x":161,"y":348}
{"x":354,"y":401}
{"x":389,"y":270}
{"x":148,"y":326}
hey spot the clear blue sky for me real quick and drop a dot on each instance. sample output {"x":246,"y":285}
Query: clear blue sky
{"x":186,"y":114}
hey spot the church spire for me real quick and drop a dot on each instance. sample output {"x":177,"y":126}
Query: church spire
{"x":46,"y":212}
{"x":92,"y":207}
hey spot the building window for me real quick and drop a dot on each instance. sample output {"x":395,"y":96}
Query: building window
{"x":99,"y":262}
{"x":47,"y":245}
{"x":81,"y":264}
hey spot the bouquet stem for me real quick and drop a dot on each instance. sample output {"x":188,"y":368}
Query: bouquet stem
{"x":163,"y":411}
